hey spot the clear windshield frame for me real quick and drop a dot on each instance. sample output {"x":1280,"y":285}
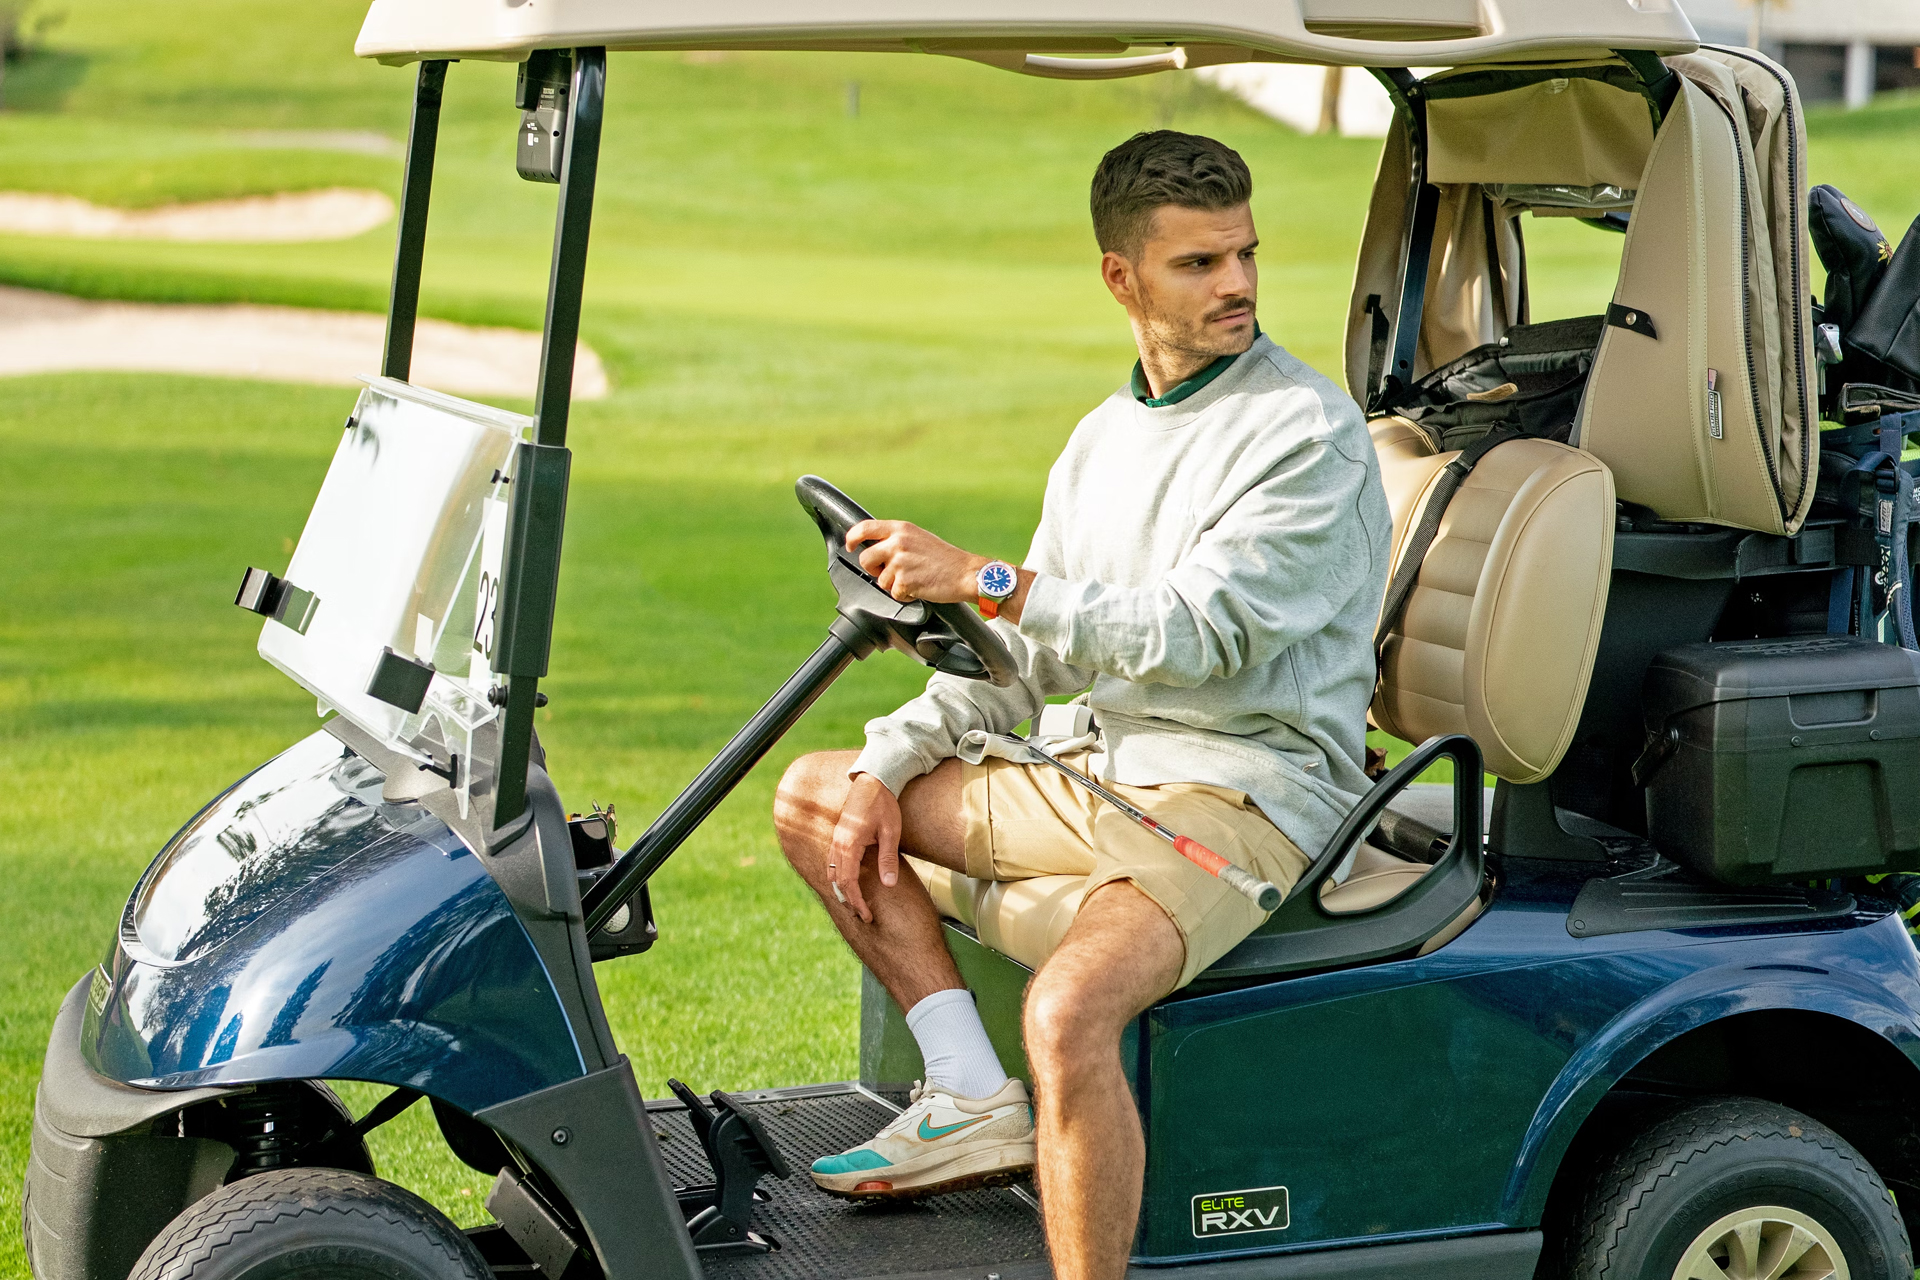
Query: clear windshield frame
{"x":402,"y":559}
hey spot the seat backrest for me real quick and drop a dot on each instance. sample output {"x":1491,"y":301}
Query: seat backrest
{"x":1498,"y":636}
{"x":1701,"y":394}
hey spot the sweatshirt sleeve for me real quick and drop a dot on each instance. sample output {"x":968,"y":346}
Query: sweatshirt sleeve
{"x":910,"y":742}
{"x":1277,"y":566}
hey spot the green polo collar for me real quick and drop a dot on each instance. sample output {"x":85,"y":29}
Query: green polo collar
{"x":1143,"y":392}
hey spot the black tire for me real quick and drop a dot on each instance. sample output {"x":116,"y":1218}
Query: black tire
{"x":1653,"y":1202}
{"x":311,"y":1224}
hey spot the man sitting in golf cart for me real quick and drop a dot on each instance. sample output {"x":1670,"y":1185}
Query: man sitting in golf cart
{"x":1208,"y":566}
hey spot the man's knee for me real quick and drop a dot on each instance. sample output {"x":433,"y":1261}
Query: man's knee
{"x":808,"y":800}
{"x":1063,"y":1025}
{"x":1121,"y":955}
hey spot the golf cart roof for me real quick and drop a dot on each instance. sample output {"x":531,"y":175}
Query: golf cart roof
{"x":1030,"y":36}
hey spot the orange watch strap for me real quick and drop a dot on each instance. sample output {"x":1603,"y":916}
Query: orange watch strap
{"x":989,"y":607}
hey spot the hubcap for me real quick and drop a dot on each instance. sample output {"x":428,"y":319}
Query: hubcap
{"x":1765,"y":1242}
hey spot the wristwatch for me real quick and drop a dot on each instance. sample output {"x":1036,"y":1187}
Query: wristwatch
{"x":998,"y":582}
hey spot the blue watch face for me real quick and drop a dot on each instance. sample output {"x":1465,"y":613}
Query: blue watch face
{"x":997,"y":580}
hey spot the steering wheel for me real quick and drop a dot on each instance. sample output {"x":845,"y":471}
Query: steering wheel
{"x":947,"y":637}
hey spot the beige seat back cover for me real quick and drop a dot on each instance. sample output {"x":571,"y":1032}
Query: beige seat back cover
{"x":1711,"y":418}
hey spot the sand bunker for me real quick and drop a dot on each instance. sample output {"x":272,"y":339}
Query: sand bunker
{"x":339,"y":213}
{"x":50,"y":332}
{"x":359,"y":141}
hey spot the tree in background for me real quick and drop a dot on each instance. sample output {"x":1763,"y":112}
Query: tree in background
{"x":22,"y":34}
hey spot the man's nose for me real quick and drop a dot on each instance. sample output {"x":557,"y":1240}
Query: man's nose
{"x":1236,"y":281}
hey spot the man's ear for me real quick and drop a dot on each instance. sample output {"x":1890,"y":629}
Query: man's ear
{"x":1120,"y":279}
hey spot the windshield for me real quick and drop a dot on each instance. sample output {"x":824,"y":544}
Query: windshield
{"x":402,"y":551}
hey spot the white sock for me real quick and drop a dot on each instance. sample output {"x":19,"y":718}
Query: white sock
{"x":953,"y":1041}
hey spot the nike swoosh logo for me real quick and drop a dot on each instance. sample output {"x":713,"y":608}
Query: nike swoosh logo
{"x":930,"y":1134}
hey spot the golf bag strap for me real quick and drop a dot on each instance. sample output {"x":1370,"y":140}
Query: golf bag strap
{"x":1376,"y":351}
{"x":1424,"y":533}
{"x":1893,"y":512}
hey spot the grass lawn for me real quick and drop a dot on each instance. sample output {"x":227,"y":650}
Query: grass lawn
{"x":903,"y":302}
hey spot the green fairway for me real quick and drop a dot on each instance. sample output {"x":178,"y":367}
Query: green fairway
{"x":904,"y":302}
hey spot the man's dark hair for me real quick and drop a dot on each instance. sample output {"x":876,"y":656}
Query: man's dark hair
{"x":1149,"y":170}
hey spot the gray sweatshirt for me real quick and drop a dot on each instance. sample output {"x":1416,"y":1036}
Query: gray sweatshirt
{"x":1213,"y":570}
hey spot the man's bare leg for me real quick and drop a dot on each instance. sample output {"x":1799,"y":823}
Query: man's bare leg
{"x":903,"y":947}
{"x":1121,"y":954}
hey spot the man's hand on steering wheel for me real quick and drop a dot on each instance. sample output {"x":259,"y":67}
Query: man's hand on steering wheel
{"x":869,"y":819}
{"x":911,"y":564}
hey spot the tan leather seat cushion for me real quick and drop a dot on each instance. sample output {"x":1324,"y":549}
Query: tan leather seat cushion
{"x":1498,"y":636}
{"x":1025,"y":919}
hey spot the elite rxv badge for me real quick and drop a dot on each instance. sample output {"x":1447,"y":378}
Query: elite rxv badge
{"x":1233,"y":1213}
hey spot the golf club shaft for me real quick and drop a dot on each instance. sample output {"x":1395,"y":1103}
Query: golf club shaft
{"x":1262,"y":894}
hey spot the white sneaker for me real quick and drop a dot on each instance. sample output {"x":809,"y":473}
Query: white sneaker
{"x":940,"y":1143}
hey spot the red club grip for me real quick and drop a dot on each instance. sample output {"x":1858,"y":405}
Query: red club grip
{"x":1266,"y":896}
{"x":1201,"y":856}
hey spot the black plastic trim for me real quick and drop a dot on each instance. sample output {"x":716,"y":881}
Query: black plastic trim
{"x":1634,"y":319}
{"x":581,"y":1133}
{"x":1505,"y":1255}
{"x":1416,"y":245}
{"x":1723,"y":553}
{"x":100,"y":1182}
{"x":1303,"y":934}
{"x":399,"y":680}
{"x":535,"y":529}
{"x":1665,"y":897}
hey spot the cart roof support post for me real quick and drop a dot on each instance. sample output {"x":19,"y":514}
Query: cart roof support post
{"x":416,"y":189}
{"x":530,"y":573}
{"x":580,"y":164}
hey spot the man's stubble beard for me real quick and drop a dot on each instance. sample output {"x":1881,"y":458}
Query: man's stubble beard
{"x":1177,"y":335}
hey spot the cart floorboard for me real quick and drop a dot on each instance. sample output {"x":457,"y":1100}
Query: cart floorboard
{"x":824,"y":1238}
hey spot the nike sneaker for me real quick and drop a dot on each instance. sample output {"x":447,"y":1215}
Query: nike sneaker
{"x":940,"y":1143}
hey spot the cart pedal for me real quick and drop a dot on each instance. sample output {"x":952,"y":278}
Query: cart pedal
{"x":740,"y":1151}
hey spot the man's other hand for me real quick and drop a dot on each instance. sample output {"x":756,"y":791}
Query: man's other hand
{"x":911,"y":564}
{"x":869,"y":819}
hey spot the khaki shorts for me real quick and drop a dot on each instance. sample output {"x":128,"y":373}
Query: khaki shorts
{"x":1029,"y":820}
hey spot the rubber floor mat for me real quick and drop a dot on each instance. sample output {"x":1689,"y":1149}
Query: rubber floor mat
{"x":823,"y":1238}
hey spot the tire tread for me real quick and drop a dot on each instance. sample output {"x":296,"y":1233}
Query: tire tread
{"x":269,"y":1199}
{"x":1639,"y":1170}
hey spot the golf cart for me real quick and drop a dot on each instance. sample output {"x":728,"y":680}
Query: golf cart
{"x":1628,"y":1011}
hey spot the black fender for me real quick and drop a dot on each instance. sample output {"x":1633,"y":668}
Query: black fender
{"x":104,"y":1176}
{"x":112,"y":1164}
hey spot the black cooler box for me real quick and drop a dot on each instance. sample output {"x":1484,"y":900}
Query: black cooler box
{"x":1795,"y":759}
